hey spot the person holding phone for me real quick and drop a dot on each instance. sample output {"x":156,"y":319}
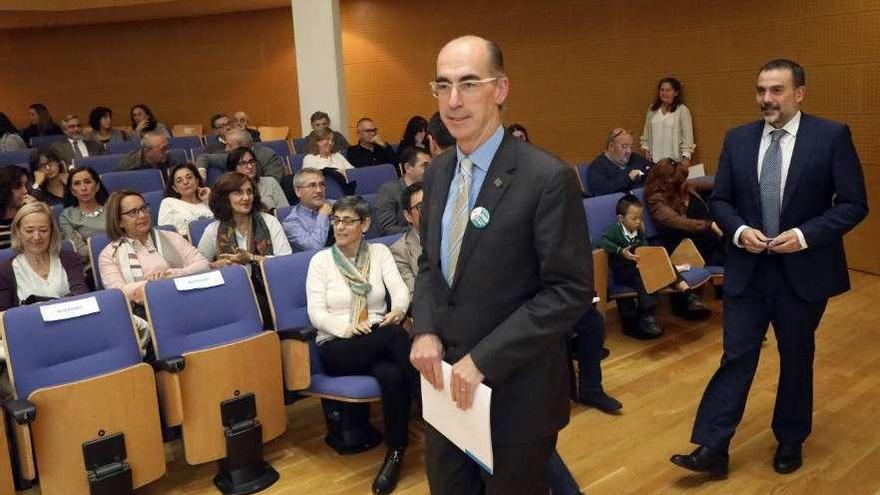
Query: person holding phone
{"x":358,"y":334}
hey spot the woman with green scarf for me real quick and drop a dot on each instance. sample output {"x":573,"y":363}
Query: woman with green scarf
{"x":346,"y":288}
{"x":242,"y":234}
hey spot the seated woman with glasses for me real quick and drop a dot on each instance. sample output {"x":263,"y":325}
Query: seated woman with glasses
{"x":39,"y":271}
{"x":243,"y":160}
{"x":241,"y":233}
{"x":138,"y":253}
{"x":186,"y":198}
{"x":50,"y":176}
{"x":357,"y":333}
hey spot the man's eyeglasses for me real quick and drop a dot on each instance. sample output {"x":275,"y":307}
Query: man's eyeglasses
{"x":135,"y":212}
{"x":374,"y":130}
{"x":248,"y":163}
{"x":313,"y":185}
{"x":443,"y":89}
{"x":346,"y":221}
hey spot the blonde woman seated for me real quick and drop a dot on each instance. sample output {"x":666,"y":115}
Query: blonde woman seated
{"x":242,"y":234}
{"x":39,"y":271}
{"x":139,"y":253}
{"x":186,"y":198}
{"x":357,"y":334}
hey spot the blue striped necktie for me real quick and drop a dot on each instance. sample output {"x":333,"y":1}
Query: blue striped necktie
{"x":771,"y":184}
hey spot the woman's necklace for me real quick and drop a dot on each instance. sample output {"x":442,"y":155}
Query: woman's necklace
{"x":94,"y":213}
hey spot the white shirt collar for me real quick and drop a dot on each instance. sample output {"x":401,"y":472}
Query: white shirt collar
{"x":791,"y":127}
{"x":627,"y":233}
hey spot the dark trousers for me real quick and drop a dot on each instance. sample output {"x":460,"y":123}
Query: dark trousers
{"x":626,"y":272}
{"x":384,"y":354}
{"x":520,"y":469}
{"x":590,"y":330}
{"x":769,"y":298}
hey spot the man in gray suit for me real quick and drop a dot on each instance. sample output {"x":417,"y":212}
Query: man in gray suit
{"x":76,"y":145}
{"x":504,"y":275}
{"x":407,"y":249}
{"x":270,"y":162}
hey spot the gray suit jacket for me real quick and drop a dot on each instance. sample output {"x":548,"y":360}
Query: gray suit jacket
{"x":65,"y":150}
{"x":388,"y":208}
{"x":271,"y":162}
{"x":520,"y":285}
{"x":406,"y":252}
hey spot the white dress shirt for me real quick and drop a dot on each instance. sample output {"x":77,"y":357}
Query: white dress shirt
{"x":786,"y":145}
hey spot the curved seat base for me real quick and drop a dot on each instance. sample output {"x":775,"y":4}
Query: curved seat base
{"x":232,"y":484}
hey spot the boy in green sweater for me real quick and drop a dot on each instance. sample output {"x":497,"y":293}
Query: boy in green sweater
{"x":620,"y":241}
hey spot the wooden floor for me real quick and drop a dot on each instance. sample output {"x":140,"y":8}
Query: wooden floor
{"x":660,"y":384}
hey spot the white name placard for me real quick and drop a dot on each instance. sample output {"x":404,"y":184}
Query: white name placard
{"x":200,"y":281}
{"x":69,"y":309}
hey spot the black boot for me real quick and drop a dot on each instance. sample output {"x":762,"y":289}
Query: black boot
{"x":690,"y":307}
{"x":389,"y":473}
{"x":646,"y":329}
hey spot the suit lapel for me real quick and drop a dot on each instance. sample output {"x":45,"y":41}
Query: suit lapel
{"x":753,"y":146}
{"x":498,"y":179}
{"x":800,"y":157}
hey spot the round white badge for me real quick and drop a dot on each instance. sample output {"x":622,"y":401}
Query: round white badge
{"x":480,"y":217}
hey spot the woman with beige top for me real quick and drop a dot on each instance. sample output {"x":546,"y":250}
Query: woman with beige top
{"x":669,"y":128}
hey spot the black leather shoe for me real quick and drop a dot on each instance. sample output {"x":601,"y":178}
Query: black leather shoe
{"x":600,"y":400}
{"x":389,"y":473}
{"x":788,"y":458}
{"x":648,"y":328}
{"x":695,"y":309}
{"x":703,"y":460}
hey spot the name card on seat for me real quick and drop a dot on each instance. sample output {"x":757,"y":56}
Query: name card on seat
{"x":69,"y":309}
{"x":200,"y":281}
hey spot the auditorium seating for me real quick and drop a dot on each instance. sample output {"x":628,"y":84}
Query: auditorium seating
{"x":278,"y":146}
{"x":185,"y":142}
{"x":220,"y":375}
{"x":296,"y":162}
{"x":123,"y":146}
{"x":343,"y":397}
{"x":38,"y":141}
{"x":101,"y":164}
{"x":16,"y":157}
{"x":582,"y":175}
{"x":140,"y":180}
{"x":86,"y":417}
{"x":273,"y":133}
{"x":181,"y":130}
{"x":369,"y":179}
{"x":97,"y":243}
{"x":301,"y":145}
{"x":196,"y":228}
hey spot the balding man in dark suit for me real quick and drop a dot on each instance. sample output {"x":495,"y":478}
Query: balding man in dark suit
{"x":504,"y":275}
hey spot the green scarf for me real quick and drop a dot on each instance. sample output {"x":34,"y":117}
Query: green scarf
{"x":259,"y":240}
{"x":358,"y":276}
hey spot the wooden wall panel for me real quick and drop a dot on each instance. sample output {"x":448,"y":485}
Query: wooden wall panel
{"x":185,"y":69}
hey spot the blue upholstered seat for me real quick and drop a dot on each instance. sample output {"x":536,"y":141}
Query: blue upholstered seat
{"x":279,"y":146}
{"x":370,"y":179}
{"x":286,"y":285}
{"x":15,"y":157}
{"x":101,"y":164}
{"x":122,"y":147}
{"x":139,"y":180}
{"x":44,"y":354}
{"x":185,"y":142}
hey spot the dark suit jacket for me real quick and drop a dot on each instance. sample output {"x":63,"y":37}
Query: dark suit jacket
{"x":65,"y":150}
{"x":521,"y":284}
{"x":824,"y":196}
{"x":72,"y":264}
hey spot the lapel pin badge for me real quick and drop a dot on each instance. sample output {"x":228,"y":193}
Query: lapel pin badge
{"x":480,"y":217}
{"x":498,"y":182}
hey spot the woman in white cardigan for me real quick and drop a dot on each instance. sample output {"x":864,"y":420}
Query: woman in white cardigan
{"x":669,"y":128}
{"x":357,"y":334}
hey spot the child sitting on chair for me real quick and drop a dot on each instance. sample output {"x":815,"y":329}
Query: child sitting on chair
{"x":620,"y":241}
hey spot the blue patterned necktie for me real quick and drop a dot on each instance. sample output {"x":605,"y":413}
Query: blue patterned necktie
{"x":771,"y":184}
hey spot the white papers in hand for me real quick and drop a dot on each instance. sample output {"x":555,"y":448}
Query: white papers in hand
{"x":469,"y":430}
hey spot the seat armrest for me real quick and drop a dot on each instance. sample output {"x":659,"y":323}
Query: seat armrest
{"x":22,"y":411}
{"x":303,"y":334}
{"x":174,"y":364}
